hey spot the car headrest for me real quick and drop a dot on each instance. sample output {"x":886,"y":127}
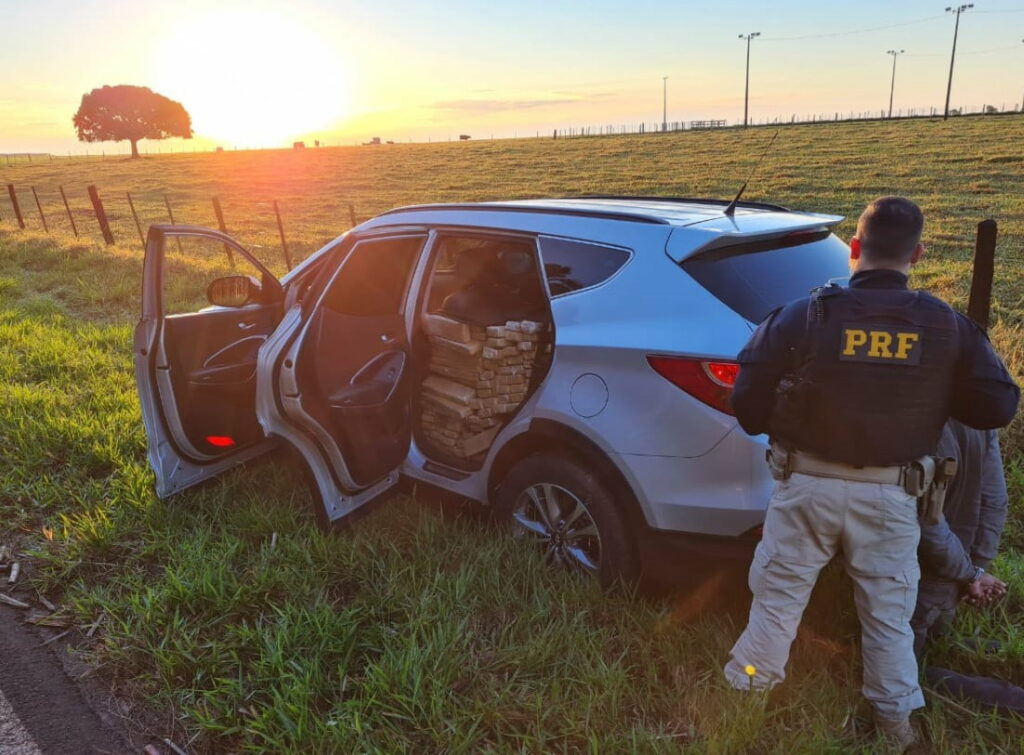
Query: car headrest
{"x":516,"y":261}
{"x":471,"y":263}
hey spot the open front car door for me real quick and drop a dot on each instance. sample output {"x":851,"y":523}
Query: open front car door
{"x":339,"y":374}
{"x":208,"y":306}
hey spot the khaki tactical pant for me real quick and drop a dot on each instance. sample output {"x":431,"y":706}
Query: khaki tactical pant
{"x":809,"y":520}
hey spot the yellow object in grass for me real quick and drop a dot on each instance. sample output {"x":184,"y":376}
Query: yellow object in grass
{"x":750,"y":670}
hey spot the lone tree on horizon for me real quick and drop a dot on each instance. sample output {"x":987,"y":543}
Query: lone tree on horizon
{"x":113,"y":114}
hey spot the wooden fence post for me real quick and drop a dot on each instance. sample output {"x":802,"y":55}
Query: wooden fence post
{"x":14,"y":203}
{"x":138,"y":227}
{"x":284,"y":244}
{"x":170,"y":214}
{"x":352,"y":214}
{"x":980,"y":300}
{"x":71,"y":218}
{"x":223,"y":229}
{"x":39,"y":207}
{"x":101,"y":215}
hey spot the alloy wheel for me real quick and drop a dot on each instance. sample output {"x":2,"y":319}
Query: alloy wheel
{"x":557,"y":520}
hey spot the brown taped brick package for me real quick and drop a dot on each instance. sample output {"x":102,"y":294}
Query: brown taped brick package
{"x":478,"y":377}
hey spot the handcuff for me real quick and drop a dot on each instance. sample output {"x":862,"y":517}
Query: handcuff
{"x":978,"y":574}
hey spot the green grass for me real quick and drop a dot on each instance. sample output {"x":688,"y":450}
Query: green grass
{"x":229,"y":615}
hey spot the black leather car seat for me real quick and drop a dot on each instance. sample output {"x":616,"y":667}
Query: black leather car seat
{"x":501,"y":284}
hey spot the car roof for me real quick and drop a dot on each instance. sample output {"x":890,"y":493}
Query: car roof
{"x":695,"y":225}
{"x":660,"y":210}
{"x":682,"y":226}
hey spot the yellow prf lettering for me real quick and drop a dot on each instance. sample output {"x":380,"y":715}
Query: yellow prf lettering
{"x":854,"y":338}
{"x":880,"y":342}
{"x":904,"y":343}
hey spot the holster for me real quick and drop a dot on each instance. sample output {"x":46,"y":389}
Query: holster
{"x":918,"y":476}
{"x":932,"y":500}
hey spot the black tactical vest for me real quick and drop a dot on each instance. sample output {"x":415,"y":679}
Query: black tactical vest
{"x":872,"y":383}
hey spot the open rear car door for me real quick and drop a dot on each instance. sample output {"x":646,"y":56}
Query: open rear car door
{"x":208,"y":306}
{"x":335,"y":379}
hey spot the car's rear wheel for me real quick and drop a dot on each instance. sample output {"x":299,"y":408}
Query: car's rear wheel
{"x":555,"y":503}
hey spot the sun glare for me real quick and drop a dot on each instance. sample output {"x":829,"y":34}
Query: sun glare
{"x":252,"y":78}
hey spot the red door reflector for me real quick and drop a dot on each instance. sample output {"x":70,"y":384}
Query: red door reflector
{"x":220,"y":441}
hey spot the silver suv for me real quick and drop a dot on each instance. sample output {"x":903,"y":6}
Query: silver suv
{"x":567,"y":362}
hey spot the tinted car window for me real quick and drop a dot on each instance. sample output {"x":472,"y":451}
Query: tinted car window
{"x":374,"y":276}
{"x":572,"y":265}
{"x":754,"y":279}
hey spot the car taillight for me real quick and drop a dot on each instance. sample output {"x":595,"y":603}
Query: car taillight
{"x":220,"y":441}
{"x":710,"y":382}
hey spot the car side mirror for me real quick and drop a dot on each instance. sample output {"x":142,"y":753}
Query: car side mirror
{"x":234,"y":291}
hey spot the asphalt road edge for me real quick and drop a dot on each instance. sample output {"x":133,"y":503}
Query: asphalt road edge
{"x":49,"y":704}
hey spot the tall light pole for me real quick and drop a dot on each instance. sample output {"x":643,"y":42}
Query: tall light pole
{"x":956,"y":30}
{"x":892,"y":87}
{"x":664,"y":103}
{"x":746,"y":90}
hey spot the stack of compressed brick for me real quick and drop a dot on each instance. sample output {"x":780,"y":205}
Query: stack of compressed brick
{"x":478,"y":376}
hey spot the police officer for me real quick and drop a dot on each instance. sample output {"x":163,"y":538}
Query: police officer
{"x":854,"y":386}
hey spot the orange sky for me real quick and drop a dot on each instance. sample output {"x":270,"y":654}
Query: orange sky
{"x":263,"y":74}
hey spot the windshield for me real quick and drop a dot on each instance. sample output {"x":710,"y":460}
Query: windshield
{"x":753,"y":279}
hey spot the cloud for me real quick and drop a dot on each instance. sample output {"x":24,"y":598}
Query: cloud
{"x":494,"y":106}
{"x":589,"y":95}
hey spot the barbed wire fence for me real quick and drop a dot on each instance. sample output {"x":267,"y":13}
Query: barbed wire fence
{"x":122,"y":218}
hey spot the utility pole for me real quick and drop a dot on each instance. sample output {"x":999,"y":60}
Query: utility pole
{"x":746,"y":90}
{"x":956,"y":30}
{"x":664,"y":103}
{"x":892,"y":87}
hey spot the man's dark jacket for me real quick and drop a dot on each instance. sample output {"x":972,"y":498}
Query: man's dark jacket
{"x":975,"y":510}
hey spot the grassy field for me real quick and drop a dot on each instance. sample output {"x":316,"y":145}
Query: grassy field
{"x":232,"y":624}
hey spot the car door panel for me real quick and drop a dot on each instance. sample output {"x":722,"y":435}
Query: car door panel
{"x":343,"y":379}
{"x":364,"y":385}
{"x":196,"y":371}
{"x":211,"y":362}
{"x":373,"y":386}
{"x":352,"y":375}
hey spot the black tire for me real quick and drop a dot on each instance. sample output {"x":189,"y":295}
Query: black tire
{"x":616,"y":561}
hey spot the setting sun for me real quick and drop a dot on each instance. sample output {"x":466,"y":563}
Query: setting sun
{"x":252,"y":77}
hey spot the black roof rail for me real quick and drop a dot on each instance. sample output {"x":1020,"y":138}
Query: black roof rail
{"x":685,"y":200}
{"x":498,"y":207}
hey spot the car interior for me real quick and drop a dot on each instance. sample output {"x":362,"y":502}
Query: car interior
{"x":482,"y":346}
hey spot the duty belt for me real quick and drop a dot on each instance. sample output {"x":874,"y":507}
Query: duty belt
{"x":927,"y":478}
{"x":811,"y":465}
{"x":915,"y":476}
